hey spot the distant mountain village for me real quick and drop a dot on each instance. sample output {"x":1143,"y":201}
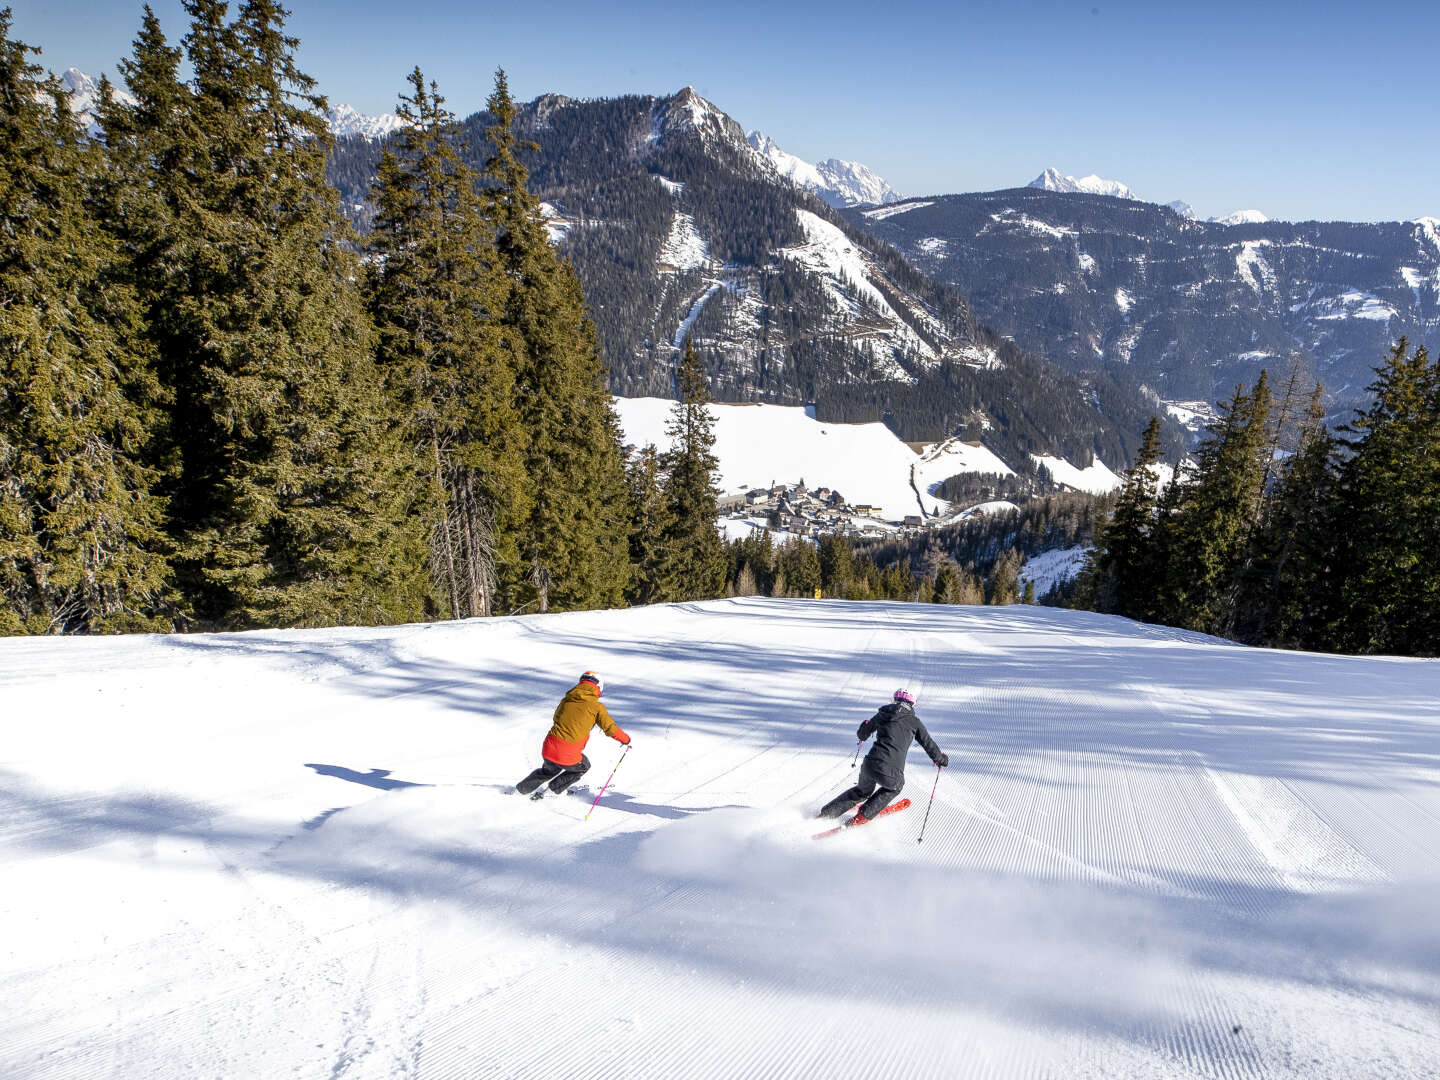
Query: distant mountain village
{"x":804,"y":511}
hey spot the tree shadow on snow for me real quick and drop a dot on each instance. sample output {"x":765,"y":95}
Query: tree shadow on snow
{"x":375,"y":778}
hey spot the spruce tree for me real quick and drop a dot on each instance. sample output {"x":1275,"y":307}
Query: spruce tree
{"x":692,"y":540}
{"x":286,"y":502}
{"x":1123,"y":566}
{"x":1389,"y":505}
{"x":1302,"y":529}
{"x":653,"y":577}
{"x":1206,"y":544}
{"x":80,"y":548}
{"x":437,"y":294}
{"x":573,"y":547}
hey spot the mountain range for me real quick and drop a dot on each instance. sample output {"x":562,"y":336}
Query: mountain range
{"x":944,"y":315}
{"x":681,"y":228}
{"x":1190,"y":308}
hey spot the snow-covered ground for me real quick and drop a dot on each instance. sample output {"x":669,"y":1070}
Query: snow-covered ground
{"x":1051,"y":568}
{"x":758,"y":445}
{"x":940,"y":461}
{"x":295,"y":854}
{"x":1094,"y":478}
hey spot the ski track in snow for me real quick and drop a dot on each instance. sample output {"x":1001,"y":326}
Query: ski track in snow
{"x":1154,"y":854}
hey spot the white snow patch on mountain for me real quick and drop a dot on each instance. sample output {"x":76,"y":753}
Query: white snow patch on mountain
{"x":1428,"y":229}
{"x":933,"y":246}
{"x":828,"y":251}
{"x":683,"y":330}
{"x":1193,"y":415}
{"x":1184,"y":209}
{"x":1124,"y":301}
{"x":1355,"y":304}
{"x":1051,"y":568}
{"x":684,"y":248}
{"x":1016,"y":218}
{"x":880,"y":213}
{"x":1241,"y":217}
{"x":1418,"y":282}
{"x":1251,"y":265}
{"x":672,"y":186}
{"x":344,"y":120}
{"x":1096,"y":479}
{"x":940,"y":461}
{"x":557,"y":225}
{"x":1052,"y":180}
{"x":758,"y":445}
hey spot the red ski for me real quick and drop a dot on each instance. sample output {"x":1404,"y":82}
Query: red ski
{"x":893,"y":808}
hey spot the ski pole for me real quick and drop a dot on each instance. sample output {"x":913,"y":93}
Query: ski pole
{"x":929,"y":804}
{"x":858,"y":744}
{"x":607,"y":782}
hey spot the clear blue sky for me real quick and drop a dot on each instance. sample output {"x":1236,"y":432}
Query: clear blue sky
{"x":1302,"y":110}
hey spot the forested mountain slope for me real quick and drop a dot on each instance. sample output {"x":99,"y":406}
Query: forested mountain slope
{"x":679,"y":227}
{"x":1190,"y":308}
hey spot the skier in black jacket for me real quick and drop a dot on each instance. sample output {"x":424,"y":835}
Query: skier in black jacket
{"x":882,"y":773}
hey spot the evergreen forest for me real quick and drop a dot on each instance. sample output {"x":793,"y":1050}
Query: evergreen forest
{"x":223,"y":409}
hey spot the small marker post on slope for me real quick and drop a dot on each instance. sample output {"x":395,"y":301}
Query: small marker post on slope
{"x":931,"y":803}
{"x":607,"y":782}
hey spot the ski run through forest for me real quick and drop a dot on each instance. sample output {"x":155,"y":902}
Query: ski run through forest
{"x":1153,"y":853}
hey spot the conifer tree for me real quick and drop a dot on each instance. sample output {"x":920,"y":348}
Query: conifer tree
{"x":1207,"y":544}
{"x":573,"y":548}
{"x":653,"y":576}
{"x":1123,"y":567}
{"x":286,"y":503}
{"x":437,"y":296}
{"x":1003,"y":584}
{"x":692,"y":540}
{"x":1300,"y":535}
{"x":1389,"y":505}
{"x":79,"y":536}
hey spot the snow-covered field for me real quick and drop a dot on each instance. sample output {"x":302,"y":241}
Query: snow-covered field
{"x":295,"y":854}
{"x":758,"y":445}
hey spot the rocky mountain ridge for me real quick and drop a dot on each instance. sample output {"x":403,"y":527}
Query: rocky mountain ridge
{"x":1190,"y":308}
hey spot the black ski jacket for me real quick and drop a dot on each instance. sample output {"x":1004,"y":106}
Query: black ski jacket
{"x":893,"y":727}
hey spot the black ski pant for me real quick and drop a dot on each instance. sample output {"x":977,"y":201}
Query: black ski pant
{"x":560,"y":776}
{"x":870,"y":789}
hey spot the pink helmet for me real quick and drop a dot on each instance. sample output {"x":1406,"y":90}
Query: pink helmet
{"x":594,"y":677}
{"x":905,"y":696}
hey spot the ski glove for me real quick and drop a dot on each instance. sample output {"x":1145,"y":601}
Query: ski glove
{"x":944,"y":760}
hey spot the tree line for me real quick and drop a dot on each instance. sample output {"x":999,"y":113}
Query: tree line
{"x":1283,"y":533}
{"x":219,"y":410}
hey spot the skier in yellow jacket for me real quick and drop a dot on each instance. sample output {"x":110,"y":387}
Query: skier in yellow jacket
{"x":564,"y":748}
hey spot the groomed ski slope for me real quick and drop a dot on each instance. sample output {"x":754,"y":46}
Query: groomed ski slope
{"x":294,"y":854}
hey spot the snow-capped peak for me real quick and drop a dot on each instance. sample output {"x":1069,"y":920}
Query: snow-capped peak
{"x":1241,"y":217}
{"x":837,"y":182}
{"x":1051,"y":180}
{"x":1183,"y":208}
{"x":344,"y":120}
{"x":84,"y":97}
{"x":688,"y":111}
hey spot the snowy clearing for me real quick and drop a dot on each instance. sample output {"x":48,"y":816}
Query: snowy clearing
{"x":294,"y":853}
{"x":940,"y":461}
{"x":759,"y":445}
{"x":1051,"y":568}
{"x":1095,"y":478}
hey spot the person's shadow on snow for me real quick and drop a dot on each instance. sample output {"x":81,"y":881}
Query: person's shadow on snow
{"x":376,"y":778}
